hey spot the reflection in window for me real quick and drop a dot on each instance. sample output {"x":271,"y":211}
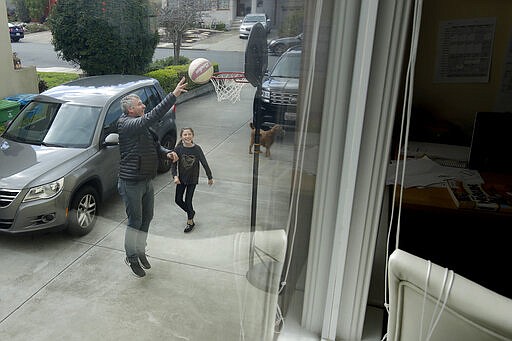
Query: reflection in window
{"x":73,"y":126}
{"x":31,"y":125}
{"x":152,"y":98}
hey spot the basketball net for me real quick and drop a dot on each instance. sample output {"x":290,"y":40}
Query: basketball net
{"x":228,"y":85}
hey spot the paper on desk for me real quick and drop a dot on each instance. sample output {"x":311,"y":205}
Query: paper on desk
{"x":424,"y":172}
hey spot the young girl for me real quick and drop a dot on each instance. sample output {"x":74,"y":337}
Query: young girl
{"x":186,"y":173}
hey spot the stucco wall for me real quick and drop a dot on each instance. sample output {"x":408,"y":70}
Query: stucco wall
{"x":13,"y":81}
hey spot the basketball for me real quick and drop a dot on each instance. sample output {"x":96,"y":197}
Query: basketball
{"x":200,"y":70}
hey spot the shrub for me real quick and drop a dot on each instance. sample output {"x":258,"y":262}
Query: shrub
{"x":162,"y":63}
{"x":171,"y":75}
{"x":42,"y":85}
{"x":168,"y":77}
{"x":220,"y":27}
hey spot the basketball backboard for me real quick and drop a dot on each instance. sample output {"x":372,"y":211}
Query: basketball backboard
{"x":256,"y":56}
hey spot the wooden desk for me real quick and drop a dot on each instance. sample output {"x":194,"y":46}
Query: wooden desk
{"x":439,"y":198}
{"x":428,"y":198}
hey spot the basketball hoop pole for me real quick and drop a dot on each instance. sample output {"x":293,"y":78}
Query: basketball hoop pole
{"x":255,"y":167}
{"x":256,"y":61}
{"x":264,"y":275}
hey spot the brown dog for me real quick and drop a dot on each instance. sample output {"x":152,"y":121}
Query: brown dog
{"x":16,"y":61}
{"x":266,"y":137}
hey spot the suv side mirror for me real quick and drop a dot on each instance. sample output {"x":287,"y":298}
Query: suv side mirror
{"x":111,"y":139}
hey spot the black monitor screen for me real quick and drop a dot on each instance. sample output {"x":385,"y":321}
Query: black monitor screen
{"x":491,"y":143}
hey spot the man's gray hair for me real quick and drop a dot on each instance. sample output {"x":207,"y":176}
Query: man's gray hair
{"x":128,"y":101}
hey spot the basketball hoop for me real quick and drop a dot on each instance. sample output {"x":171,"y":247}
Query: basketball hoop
{"x":228,"y":85}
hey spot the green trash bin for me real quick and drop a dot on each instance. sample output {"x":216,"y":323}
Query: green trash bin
{"x":8,"y":109}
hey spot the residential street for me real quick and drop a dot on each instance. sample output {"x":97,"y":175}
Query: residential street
{"x":224,"y":47}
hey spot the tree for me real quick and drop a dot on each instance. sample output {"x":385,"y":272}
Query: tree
{"x":104,"y":36}
{"x":177,"y":18}
{"x":22,"y":11}
{"x":293,"y":24}
{"x":36,"y":8}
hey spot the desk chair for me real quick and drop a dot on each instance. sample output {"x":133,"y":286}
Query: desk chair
{"x":471,"y":312}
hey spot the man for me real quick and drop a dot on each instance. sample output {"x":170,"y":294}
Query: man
{"x":140,"y":151}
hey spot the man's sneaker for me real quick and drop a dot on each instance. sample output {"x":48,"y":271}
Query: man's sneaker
{"x":135,"y":266}
{"x":189,"y":227}
{"x":144,"y":262}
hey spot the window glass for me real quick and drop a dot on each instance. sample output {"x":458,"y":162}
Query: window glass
{"x":113,"y":114}
{"x":288,"y":66}
{"x":55,"y":124}
{"x":32,"y":124}
{"x":254,"y":18}
{"x":153,"y":98}
{"x":73,"y":126}
{"x":143,"y":97}
{"x":222,"y":280}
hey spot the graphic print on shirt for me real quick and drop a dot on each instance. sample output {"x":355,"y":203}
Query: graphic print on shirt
{"x":188,"y":161}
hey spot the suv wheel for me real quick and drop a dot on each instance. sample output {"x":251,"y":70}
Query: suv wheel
{"x":169,"y":142}
{"x":83,"y":211}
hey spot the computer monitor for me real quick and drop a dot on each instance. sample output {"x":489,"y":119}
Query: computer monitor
{"x":491,"y":143}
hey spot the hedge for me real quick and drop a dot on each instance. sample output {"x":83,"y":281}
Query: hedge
{"x":171,"y":75}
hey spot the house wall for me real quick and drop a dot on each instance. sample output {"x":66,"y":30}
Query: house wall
{"x":219,"y":16}
{"x":13,"y":82}
{"x":457,"y":103}
{"x":259,"y":6}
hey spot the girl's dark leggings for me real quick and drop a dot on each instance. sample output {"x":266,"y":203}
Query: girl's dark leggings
{"x":186,"y":205}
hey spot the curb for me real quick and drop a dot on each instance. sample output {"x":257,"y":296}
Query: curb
{"x":186,"y":47}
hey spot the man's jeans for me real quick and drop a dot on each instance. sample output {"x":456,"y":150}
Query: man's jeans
{"x":139,"y":198}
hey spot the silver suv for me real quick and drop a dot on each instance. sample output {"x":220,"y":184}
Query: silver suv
{"x":56,"y":162}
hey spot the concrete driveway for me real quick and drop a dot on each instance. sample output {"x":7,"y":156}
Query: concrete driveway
{"x":55,"y":287}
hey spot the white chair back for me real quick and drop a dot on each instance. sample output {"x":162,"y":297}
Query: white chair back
{"x":446,"y":307}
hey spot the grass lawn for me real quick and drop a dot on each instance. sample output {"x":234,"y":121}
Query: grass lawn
{"x":56,"y":78}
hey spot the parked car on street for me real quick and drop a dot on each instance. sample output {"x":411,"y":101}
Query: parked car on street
{"x":16,"y":32}
{"x":279,"y":91}
{"x":280,"y":45}
{"x":59,"y":157}
{"x":251,"y":19}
